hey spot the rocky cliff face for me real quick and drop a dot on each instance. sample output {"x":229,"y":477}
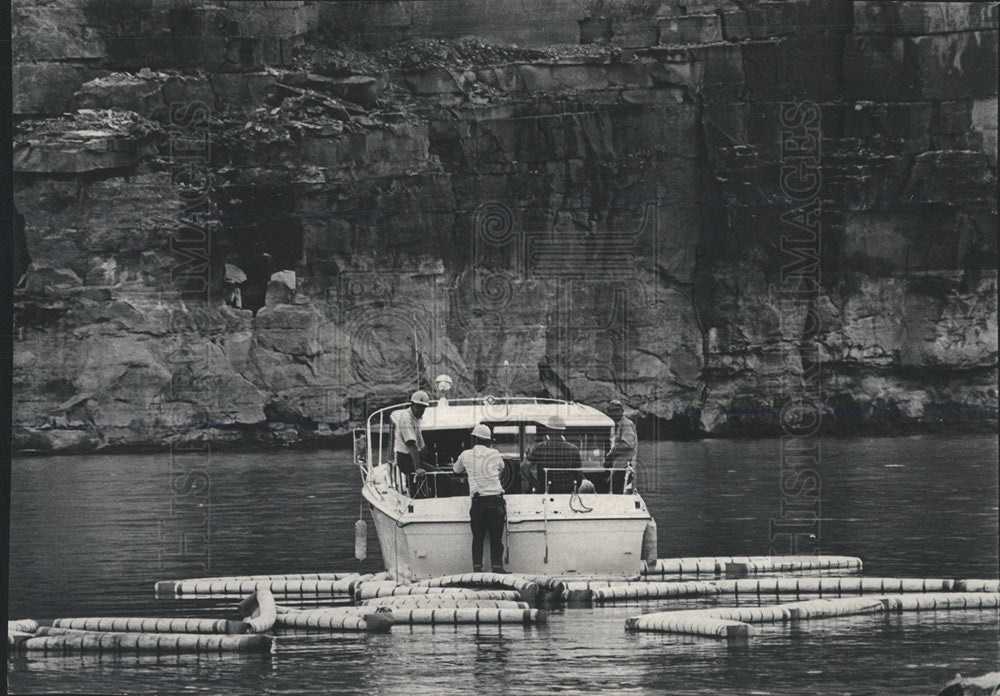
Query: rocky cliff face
{"x":724,"y":205}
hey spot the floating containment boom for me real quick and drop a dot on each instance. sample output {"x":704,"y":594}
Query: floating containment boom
{"x":527,"y":589}
{"x":442,"y":602}
{"x":373,"y":590}
{"x":734,"y":622}
{"x":22,"y":626}
{"x":279,"y":585}
{"x":258,"y":611}
{"x":341,"y":619}
{"x":454,"y":617}
{"x":752,"y":565}
{"x":124,"y":624}
{"x":752,"y":586}
{"x":63,"y":640}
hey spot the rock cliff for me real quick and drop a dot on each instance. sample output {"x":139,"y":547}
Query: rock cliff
{"x":723,"y":205}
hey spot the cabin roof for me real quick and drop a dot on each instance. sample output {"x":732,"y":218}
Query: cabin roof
{"x":466,"y":415}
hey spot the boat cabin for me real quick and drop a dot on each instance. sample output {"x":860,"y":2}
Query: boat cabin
{"x":518,"y":424}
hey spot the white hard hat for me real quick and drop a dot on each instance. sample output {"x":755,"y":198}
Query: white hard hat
{"x":482,"y":432}
{"x":420,"y":397}
{"x":443,"y":382}
{"x":556,"y":423}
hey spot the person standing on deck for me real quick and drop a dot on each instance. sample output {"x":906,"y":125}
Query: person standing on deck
{"x":488,"y":512}
{"x":623,"y":446}
{"x":408,"y":441}
{"x":554,"y":452}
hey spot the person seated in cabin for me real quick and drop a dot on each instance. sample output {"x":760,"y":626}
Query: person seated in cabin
{"x":623,"y":446}
{"x":408,"y":442}
{"x":554,"y":452}
{"x":488,"y":512}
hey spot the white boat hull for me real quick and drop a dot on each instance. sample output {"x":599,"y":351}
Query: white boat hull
{"x":545,"y":535}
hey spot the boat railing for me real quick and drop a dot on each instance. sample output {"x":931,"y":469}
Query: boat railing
{"x":444,"y":483}
{"x":605,"y":480}
{"x":428,"y":486}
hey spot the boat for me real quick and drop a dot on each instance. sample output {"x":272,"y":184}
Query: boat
{"x":423,"y":525}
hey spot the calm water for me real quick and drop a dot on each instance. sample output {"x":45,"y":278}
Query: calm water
{"x":90,"y":535}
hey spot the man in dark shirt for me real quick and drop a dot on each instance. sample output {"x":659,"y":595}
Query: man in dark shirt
{"x":551,"y":453}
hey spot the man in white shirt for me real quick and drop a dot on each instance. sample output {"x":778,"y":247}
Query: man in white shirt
{"x":623,"y":446}
{"x":488,"y":512}
{"x":408,"y":441}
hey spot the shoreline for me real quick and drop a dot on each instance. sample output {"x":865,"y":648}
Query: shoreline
{"x":343,"y":442}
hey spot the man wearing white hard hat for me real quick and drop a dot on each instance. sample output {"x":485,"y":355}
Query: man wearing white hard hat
{"x":554,"y":453}
{"x":488,"y":511}
{"x":409,"y":442}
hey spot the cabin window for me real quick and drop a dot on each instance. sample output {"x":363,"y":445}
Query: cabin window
{"x":507,"y":441}
{"x":592,"y":443}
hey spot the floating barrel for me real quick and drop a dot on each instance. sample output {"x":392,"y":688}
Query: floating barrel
{"x":258,"y":611}
{"x":454,"y":617}
{"x":546,"y":583}
{"x":977,"y":585}
{"x":272,"y":577}
{"x":373,"y":590}
{"x":442,"y":602}
{"x":948,"y":600}
{"x":755,"y":586}
{"x":360,"y":540}
{"x":527,"y":589}
{"x":280,"y":586}
{"x":782,"y":564}
{"x":549,"y":589}
{"x":843,"y":606}
{"x":282,"y":609}
{"x":16,"y":639}
{"x":716,"y":565}
{"x":831,"y":585}
{"x":770,"y":614}
{"x":732,"y":622}
{"x":146,"y":625}
{"x":643,"y":590}
{"x":681,"y":622}
{"x":719,"y":621}
{"x":649,"y":543}
{"x":22,"y":626}
{"x":348,"y":619}
{"x":700,"y":565}
{"x":63,"y":640}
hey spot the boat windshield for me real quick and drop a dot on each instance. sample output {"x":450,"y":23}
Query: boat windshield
{"x":507,"y":439}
